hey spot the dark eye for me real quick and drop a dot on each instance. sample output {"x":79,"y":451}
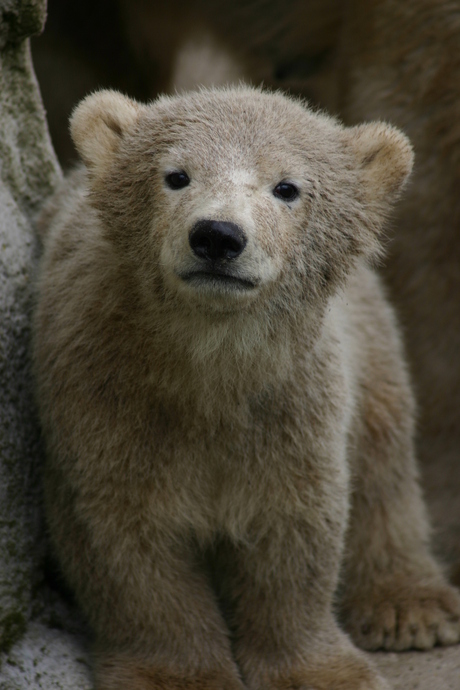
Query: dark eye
{"x":177,"y":180}
{"x":286,"y":191}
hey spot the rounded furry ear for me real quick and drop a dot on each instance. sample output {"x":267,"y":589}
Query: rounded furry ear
{"x":384,"y":157}
{"x":97,"y":126}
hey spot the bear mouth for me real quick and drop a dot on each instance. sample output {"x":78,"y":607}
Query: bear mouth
{"x":217,"y":278}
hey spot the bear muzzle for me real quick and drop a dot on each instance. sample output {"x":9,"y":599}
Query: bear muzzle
{"x":217,"y":244}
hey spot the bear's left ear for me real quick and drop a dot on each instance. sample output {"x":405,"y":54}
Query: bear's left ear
{"x":97,"y":126}
{"x":384,"y":157}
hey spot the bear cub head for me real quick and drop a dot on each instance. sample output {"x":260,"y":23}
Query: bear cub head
{"x":225,"y":199}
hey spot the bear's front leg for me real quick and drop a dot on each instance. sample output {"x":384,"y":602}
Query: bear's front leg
{"x":393,"y":594}
{"x":278,"y":590}
{"x":155,"y":617}
{"x":160,"y":627}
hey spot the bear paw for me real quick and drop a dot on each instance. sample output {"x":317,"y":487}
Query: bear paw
{"x":340,"y":673}
{"x":404,"y":616}
{"x":122,"y":673}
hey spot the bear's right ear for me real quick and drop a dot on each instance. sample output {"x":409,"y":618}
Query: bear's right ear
{"x":97,"y":126}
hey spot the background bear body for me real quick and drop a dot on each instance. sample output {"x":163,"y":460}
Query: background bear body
{"x":225,"y":400}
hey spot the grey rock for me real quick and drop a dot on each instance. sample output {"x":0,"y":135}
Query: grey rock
{"x":46,"y":659}
{"x":34,"y":653}
{"x":438,"y":669}
{"x":20,"y":19}
{"x":28,"y":173}
{"x":41,"y":641}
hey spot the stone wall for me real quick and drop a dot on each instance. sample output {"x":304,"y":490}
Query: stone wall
{"x":34,"y":654}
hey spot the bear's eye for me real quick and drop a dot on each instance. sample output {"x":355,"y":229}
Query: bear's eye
{"x":286,"y":191}
{"x":177,"y":180}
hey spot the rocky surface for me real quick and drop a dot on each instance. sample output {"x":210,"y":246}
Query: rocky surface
{"x":28,"y":171}
{"x":46,"y":659}
{"x":435,"y":670}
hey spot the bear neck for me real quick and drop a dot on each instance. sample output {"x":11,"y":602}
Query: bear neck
{"x":222,"y":361}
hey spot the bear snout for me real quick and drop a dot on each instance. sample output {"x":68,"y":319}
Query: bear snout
{"x":216,"y":240}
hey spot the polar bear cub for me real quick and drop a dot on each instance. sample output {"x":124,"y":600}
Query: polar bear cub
{"x":224,"y":397}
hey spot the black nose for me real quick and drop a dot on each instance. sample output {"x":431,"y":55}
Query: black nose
{"x":216,"y":240}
